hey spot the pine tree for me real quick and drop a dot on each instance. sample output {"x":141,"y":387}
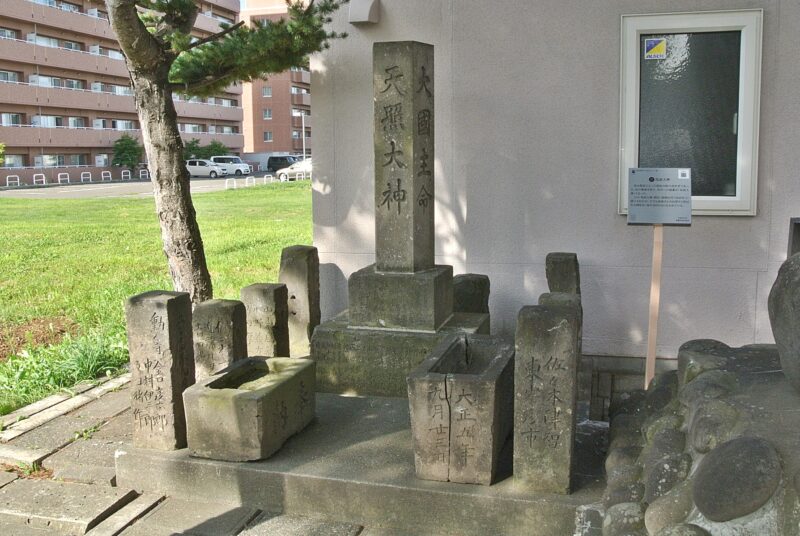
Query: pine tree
{"x":162,"y":58}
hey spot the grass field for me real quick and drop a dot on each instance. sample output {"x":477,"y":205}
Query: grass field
{"x":74,"y":262}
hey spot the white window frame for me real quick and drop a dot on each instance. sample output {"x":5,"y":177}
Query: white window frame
{"x":749,"y":22}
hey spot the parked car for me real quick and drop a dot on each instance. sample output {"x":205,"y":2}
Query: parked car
{"x":204,"y":168}
{"x":232,"y":165}
{"x":274,"y":163}
{"x":301,"y":170}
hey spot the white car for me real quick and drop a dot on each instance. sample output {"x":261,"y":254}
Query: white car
{"x":204,"y":168}
{"x":232,"y":164}
{"x":298,"y":170}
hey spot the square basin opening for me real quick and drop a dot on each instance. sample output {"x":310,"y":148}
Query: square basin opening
{"x":250,"y":377}
{"x":467,"y":356}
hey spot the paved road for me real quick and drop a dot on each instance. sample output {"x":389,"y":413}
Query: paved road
{"x":120,"y":189}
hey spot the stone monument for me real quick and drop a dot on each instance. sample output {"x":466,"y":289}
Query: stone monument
{"x":219,"y":331}
{"x":267,"y":319}
{"x":162,"y":366}
{"x":300,"y":273}
{"x":401,"y":306}
{"x":545,"y":394}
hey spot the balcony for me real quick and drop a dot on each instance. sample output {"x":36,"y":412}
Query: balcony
{"x":303,"y":99}
{"x":205,"y":111}
{"x":297,"y":121}
{"x":27,"y":136}
{"x":62,"y":58}
{"x":207,"y":24}
{"x":234,"y":142}
{"x":302,"y":77}
{"x":57,"y":18}
{"x":230,"y":5}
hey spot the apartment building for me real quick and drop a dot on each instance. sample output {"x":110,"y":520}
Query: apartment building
{"x":277,"y":111}
{"x":65,"y":94}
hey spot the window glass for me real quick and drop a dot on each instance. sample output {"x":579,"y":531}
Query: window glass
{"x":266,"y":91}
{"x":267,"y":135}
{"x":8,"y":33}
{"x":10,"y":119}
{"x":267,"y":114}
{"x":14,"y":160}
{"x":9,"y":76}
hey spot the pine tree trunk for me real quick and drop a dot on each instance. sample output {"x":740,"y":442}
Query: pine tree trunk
{"x":180,"y":233}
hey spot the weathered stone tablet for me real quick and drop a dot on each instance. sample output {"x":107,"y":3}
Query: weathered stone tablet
{"x":563,"y":272}
{"x":545,"y":391}
{"x":300,"y":273}
{"x":267,"y":319}
{"x":219,"y":330}
{"x":471,"y":293}
{"x":162,"y":366}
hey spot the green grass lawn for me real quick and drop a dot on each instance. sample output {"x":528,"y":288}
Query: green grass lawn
{"x":81,"y":259}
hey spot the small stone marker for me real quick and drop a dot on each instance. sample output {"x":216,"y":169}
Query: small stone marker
{"x":563,"y":272}
{"x":267,"y":319}
{"x":162,"y":366}
{"x":219,"y":329}
{"x":545,"y":390}
{"x":300,"y":273}
{"x":471,"y":293}
{"x":404,"y":159}
{"x":460,"y":400}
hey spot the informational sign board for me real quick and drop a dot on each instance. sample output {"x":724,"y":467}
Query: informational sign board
{"x":659,"y":196}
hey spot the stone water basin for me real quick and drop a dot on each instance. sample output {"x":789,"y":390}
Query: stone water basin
{"x":247,"y":411}
{"x":461,"y":400}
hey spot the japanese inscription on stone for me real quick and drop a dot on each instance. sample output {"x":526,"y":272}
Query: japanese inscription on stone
{"x":404,"y":156}
{"x":545,"y":393}
{"x":162,"y":366}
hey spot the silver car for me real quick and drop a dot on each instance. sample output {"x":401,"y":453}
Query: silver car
{"x":204,"y":168}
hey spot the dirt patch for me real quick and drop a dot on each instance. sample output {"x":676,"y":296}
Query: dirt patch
{"x":36,"y":332}
{"x":34,"y":471}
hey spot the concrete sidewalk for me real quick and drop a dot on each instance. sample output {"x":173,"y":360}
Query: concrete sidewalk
{"x":75,"y":439}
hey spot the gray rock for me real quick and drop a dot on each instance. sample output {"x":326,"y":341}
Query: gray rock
{"x":708,"y":384}
{"x":624,"y":474}
{"x":667,"y":442}
{"x":671,"y":508}
{"x":299,"y":271}
{"x":471,"y":293}
{"x":563,"y":272}
{"x":661,"y":391}
{"x":624,"y":519}
{"x":664,"y":475}
{"x":683,"y":529}
{"x":267,"y":319}
{"x":545,"y":397}
{"x":623,"y":493}
{"x":712,"y":423}
{"x":630,"y":402}
{"x":698,"y":356}
{"x":736,"y":478}
{"x":461,"y":401}
{"x":219,"y":332}
{"x":622,"y":457}
{"x":159,"y":329}
{"x":629,"y":438}
{"x":784,"y":316}
{"x":657,"y":422}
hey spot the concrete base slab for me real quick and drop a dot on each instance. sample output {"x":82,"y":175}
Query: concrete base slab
{"x":19,"y":455}
{"x":178,"y":516}
{"x":269,"y":524}
{"x":356,"y":463}
{"x":15,"y":529}
{"x":127,"y":515}
{"x":68,"y":508}
{"x":7,"y":477}
{"x":376,"y":362}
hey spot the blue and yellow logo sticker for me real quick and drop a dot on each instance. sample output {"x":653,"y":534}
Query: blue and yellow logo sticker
{"x":655,"y":49}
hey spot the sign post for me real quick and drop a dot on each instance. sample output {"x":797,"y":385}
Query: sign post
{"x":658,"y":197}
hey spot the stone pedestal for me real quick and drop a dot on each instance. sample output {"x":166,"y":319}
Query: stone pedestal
{"x":461,"y":401}
{"x":419,"y":301}
{"x":249,"y":410}
{"x":219,"y":330}
{"x":162,"y":366}
{"x":300,"y":273}
{"x":545,"y":395}
{"x":267,"y":319}
{"x":366,"y":361}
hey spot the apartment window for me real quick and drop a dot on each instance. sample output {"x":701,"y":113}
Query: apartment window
{"x":192,"y":128}
{"x":71,"y":45}
{"x":109,"y":52}
{"x":299,"y":90}
{"x":71,"y":83}
{"x":66,"y":6}
{"x":297,"y":112}
{"x":49,"y":160}
{"x":9,"y":76}
{"x":226,"y":130}
{"x":42,"y":40}
{"x":212,"y":129}
{"x":690,"y":99}
{"x":268,"y":135}
{"x":101,"y":160}
{"x":8,"y":33}
{"x":226,"y":102}
{"x":76,"y":122}
{"x":296,"y":135}
{"x":308,"y":133}
{"x":47,"y":121}
{"x":9,"y":119}
{"x":267,"y":114}
{"x":266,"y":91}
{"x":14,"y":160}
{"x":77,"y":160}
{"x":123,"y":124}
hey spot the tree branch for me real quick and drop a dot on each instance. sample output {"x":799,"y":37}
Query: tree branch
{"x":196,"y":86}
{"x":216,"y":36}
{"x":140,"y":47}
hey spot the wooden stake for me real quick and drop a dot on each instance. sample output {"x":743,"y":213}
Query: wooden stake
{"x":655,"y":299}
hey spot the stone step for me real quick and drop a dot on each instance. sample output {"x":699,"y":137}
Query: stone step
{"x":65,"y":507}
{"x":127,"y":515}
{"x":179,"y":516}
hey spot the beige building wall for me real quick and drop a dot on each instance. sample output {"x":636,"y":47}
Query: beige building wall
{"x":527,"y":141}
